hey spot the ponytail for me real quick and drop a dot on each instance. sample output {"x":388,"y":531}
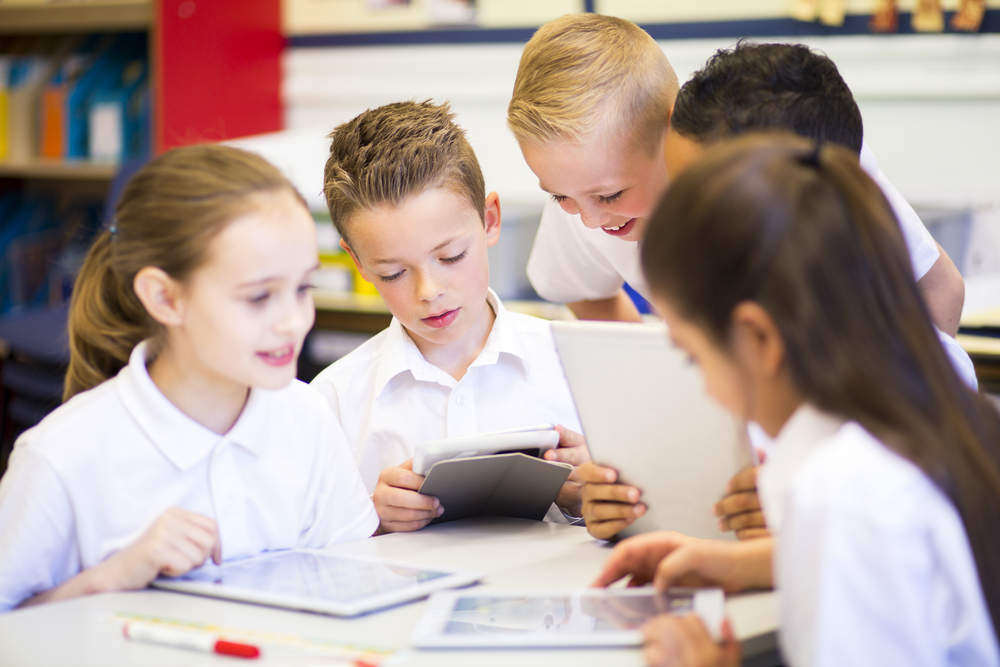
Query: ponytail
{"x":106,"y":320}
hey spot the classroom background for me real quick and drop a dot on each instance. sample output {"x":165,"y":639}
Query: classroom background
{"x":89,"y":89}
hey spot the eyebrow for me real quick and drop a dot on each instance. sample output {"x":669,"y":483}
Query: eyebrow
{"x":271,"y":279}
{"x":397,"y":261}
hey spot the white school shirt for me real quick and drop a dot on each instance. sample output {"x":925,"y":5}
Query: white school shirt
{"x":389,"y":398}
{"x":872,"y":564}
{"x":94,"y":475}
{"x":570,"y":262}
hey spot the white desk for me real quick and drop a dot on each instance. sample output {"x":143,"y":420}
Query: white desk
{"x":515,"y":553}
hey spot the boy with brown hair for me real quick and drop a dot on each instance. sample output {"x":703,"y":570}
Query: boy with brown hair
{"x":407,"y":195}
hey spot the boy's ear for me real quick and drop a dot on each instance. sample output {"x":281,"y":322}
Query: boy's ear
{"x":491,"y":218}
{"x":160,"y":295}
{"x":354,"y":258}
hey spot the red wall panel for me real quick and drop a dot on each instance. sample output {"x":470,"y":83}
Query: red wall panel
{"x":218,"y":67}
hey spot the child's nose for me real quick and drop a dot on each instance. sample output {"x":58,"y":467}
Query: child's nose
{"x":429,"y":286}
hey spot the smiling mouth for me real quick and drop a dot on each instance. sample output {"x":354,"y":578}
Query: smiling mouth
{"x":279,"y":357}
{"x":619,"y":230}
{"x":441,"y":320}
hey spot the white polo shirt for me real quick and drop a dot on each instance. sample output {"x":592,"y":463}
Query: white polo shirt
{"x":570,"y":262}
{"x":389,"y":398}
{"x":96,"y":473}
{"x":872,"y":564}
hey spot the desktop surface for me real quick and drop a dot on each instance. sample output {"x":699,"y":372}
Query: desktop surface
{"x":517,"y":554}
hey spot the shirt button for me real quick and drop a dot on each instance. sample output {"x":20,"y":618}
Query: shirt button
{"x":460,"y":401}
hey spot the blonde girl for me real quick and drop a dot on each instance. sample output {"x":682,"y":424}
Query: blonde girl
{"x":184,"y":436}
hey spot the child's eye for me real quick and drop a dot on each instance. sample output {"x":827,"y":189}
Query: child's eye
{"x":611,"y":198}
{"x":306,"y":288}
{"x":559,"y":198}
{"x":456,"y":258}
{"x":389,"y":279}
{"x":259,"y":299}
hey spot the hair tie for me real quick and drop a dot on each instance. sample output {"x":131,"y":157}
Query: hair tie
{"x":812,"y":158}
{"x":114,"y":229}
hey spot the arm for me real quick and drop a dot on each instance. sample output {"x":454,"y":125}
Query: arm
{"x":618,"y":308}
{"x":668,"y":558}
{"x":177,"y":543}
{"x":943,"y":292}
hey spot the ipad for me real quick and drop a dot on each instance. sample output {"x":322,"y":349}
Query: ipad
{"x":645,"y":413}
{"x":588,"y":617}
{"x":531,"y":440}
{"x":313,"y":580}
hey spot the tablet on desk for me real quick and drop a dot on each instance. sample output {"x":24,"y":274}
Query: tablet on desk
{"x":588,"y":617}
{"x":311,"y":580}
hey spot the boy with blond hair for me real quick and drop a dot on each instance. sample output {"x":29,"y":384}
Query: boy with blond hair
{"x":591,"y":111}
{"x":407,"y":196}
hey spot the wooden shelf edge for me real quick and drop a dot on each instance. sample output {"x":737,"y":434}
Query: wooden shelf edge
{"x":80,"y":171}
{"x":76,"y":16}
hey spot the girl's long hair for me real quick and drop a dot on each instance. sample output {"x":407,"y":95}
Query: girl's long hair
{"x":801,"y":230}
{"x":167,"y":217}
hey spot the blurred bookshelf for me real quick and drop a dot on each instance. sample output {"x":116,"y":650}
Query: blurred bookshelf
{"x":76,"y":17}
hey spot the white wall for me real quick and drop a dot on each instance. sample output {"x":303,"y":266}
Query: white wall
{"x":931,"y":106}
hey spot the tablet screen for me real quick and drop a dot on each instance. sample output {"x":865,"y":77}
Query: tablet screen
{"x":585,"y":612}
{"x":313,"y":575}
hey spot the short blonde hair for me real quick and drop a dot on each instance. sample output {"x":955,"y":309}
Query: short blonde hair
{"x":589,"y":76}
{"x":388,"y":154}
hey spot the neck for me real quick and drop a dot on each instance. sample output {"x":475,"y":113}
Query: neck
{"x":454,"y":358}
{"x":783,"y":401}
{"x":212,"y":401}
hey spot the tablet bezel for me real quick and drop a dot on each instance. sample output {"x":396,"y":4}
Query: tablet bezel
{"x":542,"y":437}
{"x":452,"y":579}
{"x":709,"y":603}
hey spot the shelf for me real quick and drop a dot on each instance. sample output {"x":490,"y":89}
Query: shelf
{"x":76,"y":16}
{"x":56,"y":170}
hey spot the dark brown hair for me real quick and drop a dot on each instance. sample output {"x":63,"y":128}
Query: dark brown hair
{"x":805,"y":233}
{"x":167,"y":216}
{"x":385,"y":155}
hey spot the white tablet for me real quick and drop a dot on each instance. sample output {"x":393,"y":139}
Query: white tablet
{"x":531,"y":440}
{"x":587,"y":617}
{"x":645,"y":413}
{"x":318,"y":581}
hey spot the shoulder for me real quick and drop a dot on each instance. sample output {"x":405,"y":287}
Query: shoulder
{"x":354,"y":365}
{"x":86,"y":417}
{"x":854,"y":473}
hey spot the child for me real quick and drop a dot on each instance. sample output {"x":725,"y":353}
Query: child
{"x":408,"y":198}
{"x":759,"y":86}
{"x":590,"y":109}
{"x":185,"y":435}
{"x":779,"y":268}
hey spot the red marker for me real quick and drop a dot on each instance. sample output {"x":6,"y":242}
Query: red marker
{"x":195,"y":640}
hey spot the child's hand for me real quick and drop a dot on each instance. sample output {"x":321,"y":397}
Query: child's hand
{"x":400,"y":508}
{"x":572,"y":449}
{"x":176,"y":543}
{"x":668,"y":558}
{"x":684,"y":640}
{"x":608,"y":508}
{"x":739,"y":509}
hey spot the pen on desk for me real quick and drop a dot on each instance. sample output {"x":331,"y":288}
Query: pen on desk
{"x":190,"y":639}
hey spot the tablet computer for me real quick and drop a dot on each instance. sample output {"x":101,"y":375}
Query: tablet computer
{"x":587,"y":617}
{"x":645,"y":413}
{"x":531,"y":440}
{"x":313,"y":580}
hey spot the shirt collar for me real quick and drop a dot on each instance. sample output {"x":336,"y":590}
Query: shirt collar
{"x":183,"y":441}
{"x":806,"y":429}
{"x":400,"y":354}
